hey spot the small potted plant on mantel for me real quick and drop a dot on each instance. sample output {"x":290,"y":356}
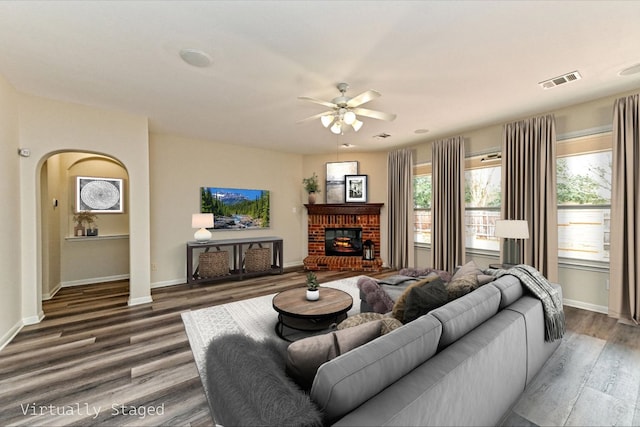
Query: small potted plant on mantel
{"x":312,"y":187}
{"x":313,"y":293}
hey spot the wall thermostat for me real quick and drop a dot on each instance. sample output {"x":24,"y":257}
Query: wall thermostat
{"x":24,"y":152}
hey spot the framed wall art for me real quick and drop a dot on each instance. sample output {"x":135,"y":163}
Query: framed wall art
{"x":236,"y":208}
{"x":99,"y":195}
{"x":335,"y":184}
{"x":355,"y":188}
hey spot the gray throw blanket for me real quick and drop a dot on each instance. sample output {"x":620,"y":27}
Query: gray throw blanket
{"x":533,"y":280}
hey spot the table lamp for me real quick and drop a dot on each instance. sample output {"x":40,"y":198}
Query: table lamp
{"x":512,"y":231}
{"x":202,"y":221}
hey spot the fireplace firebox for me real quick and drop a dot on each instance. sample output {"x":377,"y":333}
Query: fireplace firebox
{"x":343,"y":241}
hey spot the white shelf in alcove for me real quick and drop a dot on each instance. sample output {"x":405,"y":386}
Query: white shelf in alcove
{"x":104,"y":237}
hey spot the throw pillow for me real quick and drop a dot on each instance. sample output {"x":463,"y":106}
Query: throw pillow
{"x":246,"y":385}
{"x":468,"y":268}
{"x":423,"y":299}
{"x":462,"y":286}
{"x":398,"y":307}
{"x":387,"y":325}
{"x":374,"y":295}
{"x":305,"y":356}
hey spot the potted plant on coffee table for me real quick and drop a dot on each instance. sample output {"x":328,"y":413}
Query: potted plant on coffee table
{"x":313,"y":291}
{"x":311,"y":186}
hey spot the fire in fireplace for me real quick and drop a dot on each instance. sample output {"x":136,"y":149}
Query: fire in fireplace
{"x":343,"y":241}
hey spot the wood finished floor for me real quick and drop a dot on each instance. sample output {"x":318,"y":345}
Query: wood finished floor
{"x":92,"y":350}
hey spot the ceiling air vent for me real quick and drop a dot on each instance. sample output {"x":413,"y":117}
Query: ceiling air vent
{"x":560,"y":80}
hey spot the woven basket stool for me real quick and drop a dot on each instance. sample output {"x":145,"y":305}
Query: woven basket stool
{"x":212,"y":264}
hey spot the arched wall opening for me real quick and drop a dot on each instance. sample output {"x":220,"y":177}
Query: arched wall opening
{"x":69,"y":259}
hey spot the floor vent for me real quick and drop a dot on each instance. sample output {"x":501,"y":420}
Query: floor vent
{"x":560,"y":80}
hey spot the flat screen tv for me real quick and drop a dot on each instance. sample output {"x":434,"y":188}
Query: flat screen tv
{"x":236,"y":208}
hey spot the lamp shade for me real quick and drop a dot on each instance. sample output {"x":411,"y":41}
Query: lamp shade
{"x":202,"y":220}
{"x":512,"y":229}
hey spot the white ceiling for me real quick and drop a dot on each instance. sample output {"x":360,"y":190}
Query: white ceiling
{"x":442,"y":66}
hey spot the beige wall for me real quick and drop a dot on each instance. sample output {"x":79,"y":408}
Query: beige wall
{"x":10,"y":295}
{"x":181,"y":166}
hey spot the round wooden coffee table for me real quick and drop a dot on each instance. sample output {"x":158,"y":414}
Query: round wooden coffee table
{"x":296,"y":312}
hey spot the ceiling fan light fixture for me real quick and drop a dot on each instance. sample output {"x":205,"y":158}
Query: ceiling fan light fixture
{"x":336,"y":128}
{"x":350,"y":117}
{"x":357,"y":124}
{"x":326,"y":120}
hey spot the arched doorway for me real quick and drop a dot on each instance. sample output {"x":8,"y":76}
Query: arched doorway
{"x":67,"y":258}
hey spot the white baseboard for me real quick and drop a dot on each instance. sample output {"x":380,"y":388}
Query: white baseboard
{"x":168,"y":283}
{"x":93,"y":280}
{"x":48,"y":296}
{"x":32,"y":320}
{"x":140,"y":300}
{"x":586,"y":306}
{"x":11,"y":333}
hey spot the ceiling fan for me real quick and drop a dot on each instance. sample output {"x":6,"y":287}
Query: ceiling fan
{"x":344,"y":111}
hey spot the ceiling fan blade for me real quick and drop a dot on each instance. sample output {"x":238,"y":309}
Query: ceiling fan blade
{"x":374,"y":114}
{"x":318,"y":101}
{"x":315,"y":116}
{"x":363,"y":98}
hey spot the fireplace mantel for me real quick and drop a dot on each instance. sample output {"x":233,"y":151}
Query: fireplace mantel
{"x":345,"y":209}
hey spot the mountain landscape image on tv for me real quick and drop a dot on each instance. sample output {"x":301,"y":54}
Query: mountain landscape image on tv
{"x":235,"y":208}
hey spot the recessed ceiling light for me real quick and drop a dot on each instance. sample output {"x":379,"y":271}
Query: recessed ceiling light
{"x":634,"y":69}
{"x":345,"y":145}
{"x":421,"y":131}
{"x":382,"y":135}
{"x":196,"y":57}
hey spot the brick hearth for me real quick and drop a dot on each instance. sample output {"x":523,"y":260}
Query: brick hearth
{"x":360,"y":215}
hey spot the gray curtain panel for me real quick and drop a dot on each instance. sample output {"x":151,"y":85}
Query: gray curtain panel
{"x":624,"y":298}
{"x":400,"y":169}
{"x":447,"y":207}
{"x":529,"y":188}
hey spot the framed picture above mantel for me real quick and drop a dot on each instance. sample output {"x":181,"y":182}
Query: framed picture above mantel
{"x":355,"y":188}
{"x":335,"y":184}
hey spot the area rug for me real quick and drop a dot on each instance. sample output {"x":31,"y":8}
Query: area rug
{"x":254,"y":317}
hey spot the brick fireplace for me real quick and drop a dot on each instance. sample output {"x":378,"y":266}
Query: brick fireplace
{"x":364,"y":216}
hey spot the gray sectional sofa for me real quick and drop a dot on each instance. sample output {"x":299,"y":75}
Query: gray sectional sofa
{"x":464,"y":363}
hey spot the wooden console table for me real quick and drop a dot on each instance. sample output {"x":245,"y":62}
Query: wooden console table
{"x":238,"y":248}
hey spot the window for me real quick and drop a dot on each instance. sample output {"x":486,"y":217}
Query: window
{"x":584,"y":197}
{"x":422,"y":204}
{"x":482,"y":201}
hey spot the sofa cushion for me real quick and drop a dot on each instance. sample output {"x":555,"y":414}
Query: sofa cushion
{"x":398,"y":307}
{"x":510,"y":289}
{"x":462,"y":285}
{"x":465,"y":313}
{"x":469,"y":268}
{"x":305,"y":356}
{"x":423,"y":299}
{"x":344,"y":383}
{"x":376,"y":297}
{"x":387,"y":323}
{"x":246,"y":385}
